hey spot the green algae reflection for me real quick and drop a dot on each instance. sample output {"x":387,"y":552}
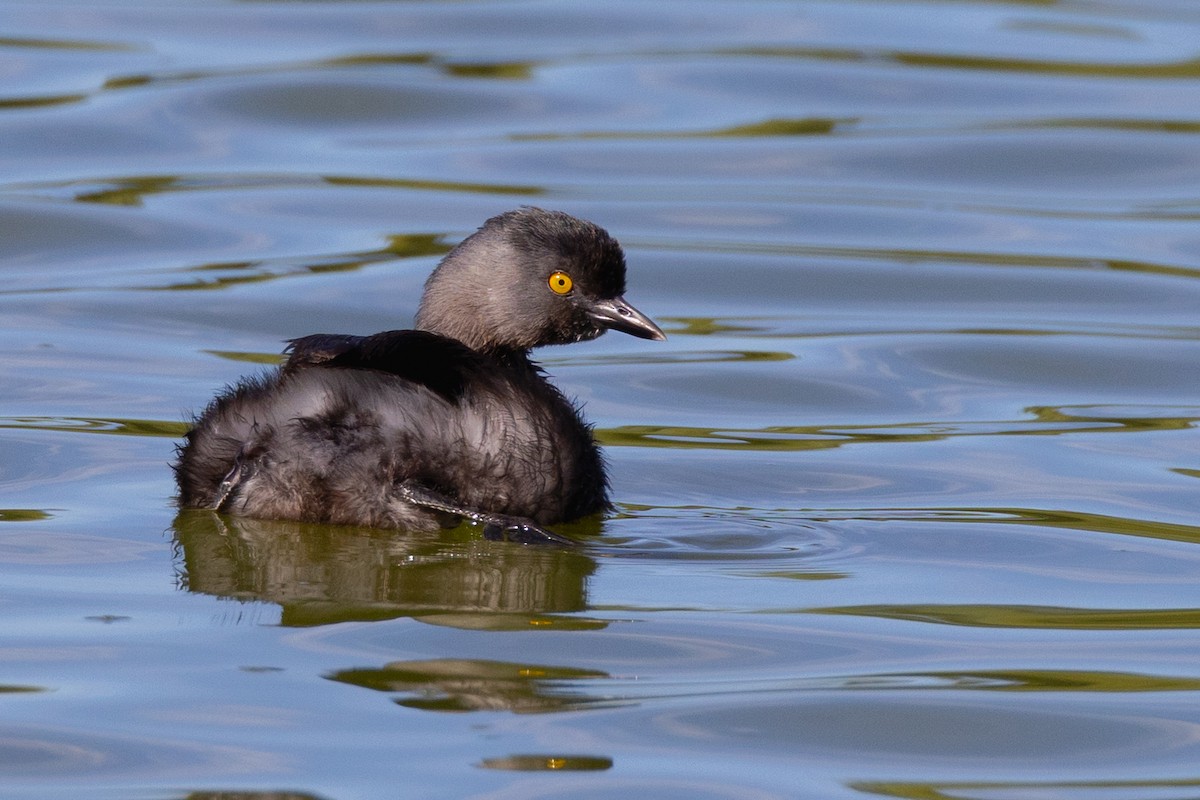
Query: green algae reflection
{"x":1045,"y":421}
{"x":1029,"y":617}
{"x":968,"y":790}
{"x":1029,"y":680}
{"x":109,"y":425}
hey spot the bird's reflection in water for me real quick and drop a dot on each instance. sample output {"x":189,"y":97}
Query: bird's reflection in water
{"x":320,"y":574}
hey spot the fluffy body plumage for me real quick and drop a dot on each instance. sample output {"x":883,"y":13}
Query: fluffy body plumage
{"x":406,"y":429}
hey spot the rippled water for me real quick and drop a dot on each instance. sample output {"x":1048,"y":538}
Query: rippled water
{"x":907,"y":502}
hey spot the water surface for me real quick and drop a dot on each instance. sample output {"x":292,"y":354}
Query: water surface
{"x":907,"y":503}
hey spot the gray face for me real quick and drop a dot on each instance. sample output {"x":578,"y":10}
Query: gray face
{"x":529,"y":278}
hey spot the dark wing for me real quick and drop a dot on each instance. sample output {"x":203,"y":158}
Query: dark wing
{"x":318,"y":348}
{"x":441,"y":364}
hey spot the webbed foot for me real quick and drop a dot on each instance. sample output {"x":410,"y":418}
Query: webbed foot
{"x":503,"y":528}
{"x":496,"y":527}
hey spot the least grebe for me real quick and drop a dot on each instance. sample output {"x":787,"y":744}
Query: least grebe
{"x":412,"y":428}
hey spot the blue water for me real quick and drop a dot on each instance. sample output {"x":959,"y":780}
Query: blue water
{"x":907,"y":502}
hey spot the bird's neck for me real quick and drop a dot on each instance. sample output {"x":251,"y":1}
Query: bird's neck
{"x":510,"y":356}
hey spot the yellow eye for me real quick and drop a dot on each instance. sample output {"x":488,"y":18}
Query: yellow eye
{"x":560,"y":283}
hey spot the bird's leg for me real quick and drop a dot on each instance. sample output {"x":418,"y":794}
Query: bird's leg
{"x":496,"y":527}
{"x":236,"y":473}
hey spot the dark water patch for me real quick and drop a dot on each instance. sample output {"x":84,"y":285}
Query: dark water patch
{"x":36,"y":235}
{"x":320,"y":100}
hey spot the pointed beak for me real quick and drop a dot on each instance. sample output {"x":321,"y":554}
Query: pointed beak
{"x":618,"y":315}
